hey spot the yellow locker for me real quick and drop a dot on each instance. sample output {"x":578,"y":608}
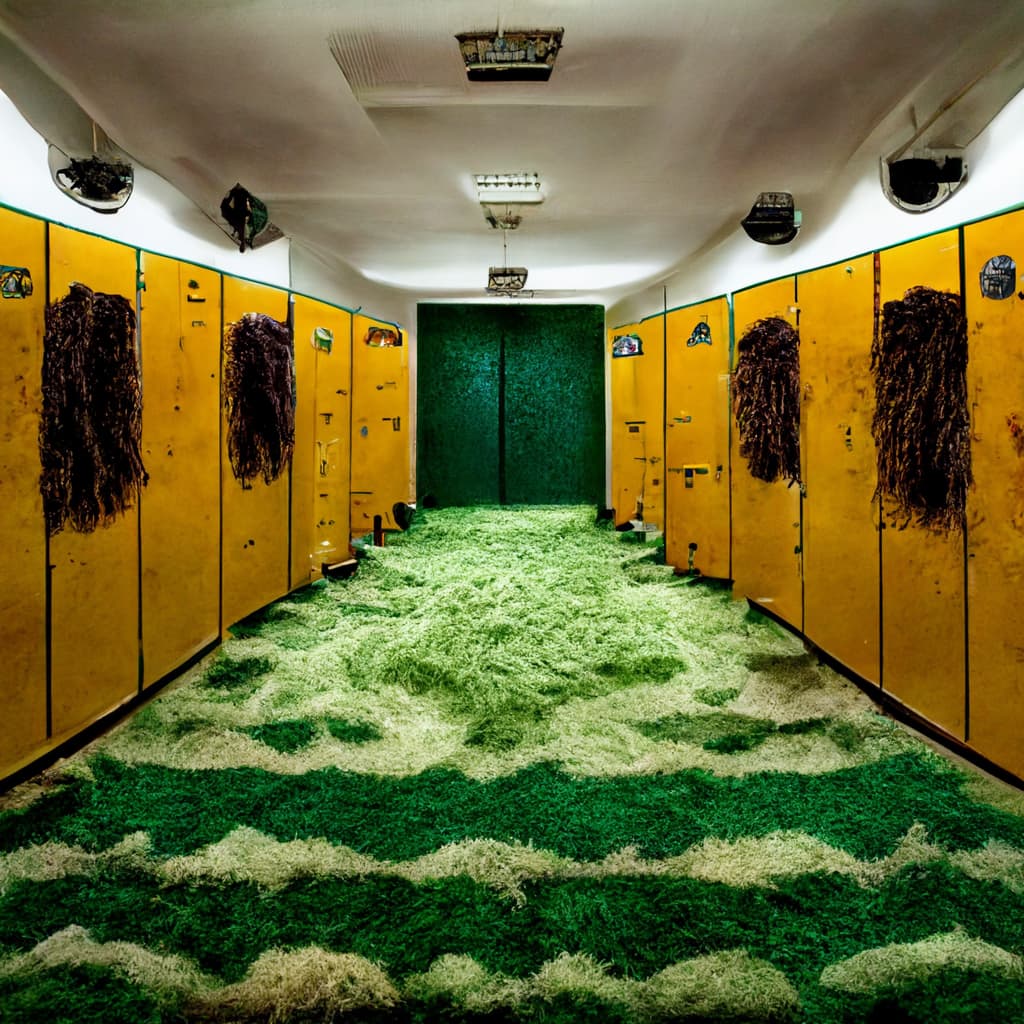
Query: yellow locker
{"x":638,"y":447}
{"x":840,"y":515}
{"x":697,"y":437}
{"x":766,"y":555}
{"x":622,"y":373}
{"x":23,"y":590}
{"x":301,"y":569}
{"x":180,"y":508}
{"x":95,"y":576}
{"x":254,"y":551}
{"x":995,"y":505}
{"x":381,"y":455}
{"x":329,"y":452}
{"x":923,"y":571}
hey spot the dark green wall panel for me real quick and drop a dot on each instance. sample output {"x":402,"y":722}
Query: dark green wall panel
{"x":510,"y":404}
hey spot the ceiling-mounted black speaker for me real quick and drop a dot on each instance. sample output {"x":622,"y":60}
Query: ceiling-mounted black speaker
{"x":772,"y":220}
{"x":924,"y":180}
{"x":102,"y":185}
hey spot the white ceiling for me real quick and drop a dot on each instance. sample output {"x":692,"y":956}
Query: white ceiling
{"x":662,"y":120}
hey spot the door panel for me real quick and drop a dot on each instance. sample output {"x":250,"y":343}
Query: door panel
{"x":95,"y":576}
{"x":180,"y":507}
{"x":995,"y":505}
{"x":23,"y":593}
{"x":697,"y":438}
{"x":329,"y":452}
{"x":766,"y":557}
{"x":256,"y":565}
{"x":840,"y":513}
{"x":380,"y":423}
{"x":923,"y":647}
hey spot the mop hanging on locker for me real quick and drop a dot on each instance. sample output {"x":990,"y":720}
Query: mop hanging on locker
{"x":90,"y":432}
{"x":921,"y":424}
{"x":766,"y":399}
{"x":259,"y":394}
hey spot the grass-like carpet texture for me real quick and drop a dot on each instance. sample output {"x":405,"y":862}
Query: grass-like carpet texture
{"x":512,"y":771}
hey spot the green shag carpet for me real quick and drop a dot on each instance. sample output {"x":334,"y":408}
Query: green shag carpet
{"x":514,"y":770}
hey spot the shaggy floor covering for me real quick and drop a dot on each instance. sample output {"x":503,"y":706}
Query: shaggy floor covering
{"x":514,"y":770}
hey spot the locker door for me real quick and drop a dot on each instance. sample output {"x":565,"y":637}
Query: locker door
{"x":381,"y":456}
{"x":841,"y":536}
{"x":697,"y":438}
{"x":180,"y":507}
{"x":328,"y":454}
{"x":995,"y":505}
{"x":256,"y":564}
{"x":638,"y":456}
{"x":95,"y":576}
{"x":766,"y":545}
{"x":23,"y":593}
{"x":923,"y":571}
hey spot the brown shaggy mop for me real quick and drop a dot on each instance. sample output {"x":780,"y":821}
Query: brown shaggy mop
{"x":90,"y":432}
{"x":259,"y":394}
{"x":766,"y":399}
{"x":921,"y":424}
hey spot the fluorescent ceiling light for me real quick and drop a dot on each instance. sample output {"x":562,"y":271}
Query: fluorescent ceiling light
{"x":512,"y":187}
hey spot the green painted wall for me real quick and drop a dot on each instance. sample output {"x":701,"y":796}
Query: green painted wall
{"x":510,"y":404}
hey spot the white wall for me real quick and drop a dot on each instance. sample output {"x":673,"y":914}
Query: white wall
{"x":157,"y":217}
{"x":860,"y":221}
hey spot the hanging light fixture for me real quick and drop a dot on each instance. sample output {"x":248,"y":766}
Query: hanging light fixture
{"x":506,"y":280}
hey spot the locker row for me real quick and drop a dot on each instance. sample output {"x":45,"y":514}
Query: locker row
{"x":89,"y":620}
{"x":929,"y":616}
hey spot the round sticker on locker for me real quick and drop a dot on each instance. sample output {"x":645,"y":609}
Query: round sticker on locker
{"x":999,"y":278}
{"x":364,"y":432}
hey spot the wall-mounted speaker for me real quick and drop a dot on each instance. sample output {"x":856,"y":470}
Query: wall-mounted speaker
{"x":773,"y":219}
{"x":923,"y":180}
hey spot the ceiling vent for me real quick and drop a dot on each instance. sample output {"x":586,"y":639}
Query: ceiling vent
{"x":924,"y":180}
{"x":510,"y":55}
{"x":772,"y":219}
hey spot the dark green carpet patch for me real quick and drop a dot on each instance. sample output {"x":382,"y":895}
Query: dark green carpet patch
{"x":354,"y":731}
{"x":651,"y":668}
{"x":635,"y":926}
{"x":79,"y":994}
{"x":233,"y":673}
{"x":716,"y":697}
{"x":729,"y":732}
{"x":286,"y":737}
{"x":951,"y":997}
{"x":865,"y":810}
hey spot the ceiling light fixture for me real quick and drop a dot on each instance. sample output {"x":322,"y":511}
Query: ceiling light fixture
{"x":506,"y":280}
{"x":512,"y":55}
{"x":512,"y":187}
